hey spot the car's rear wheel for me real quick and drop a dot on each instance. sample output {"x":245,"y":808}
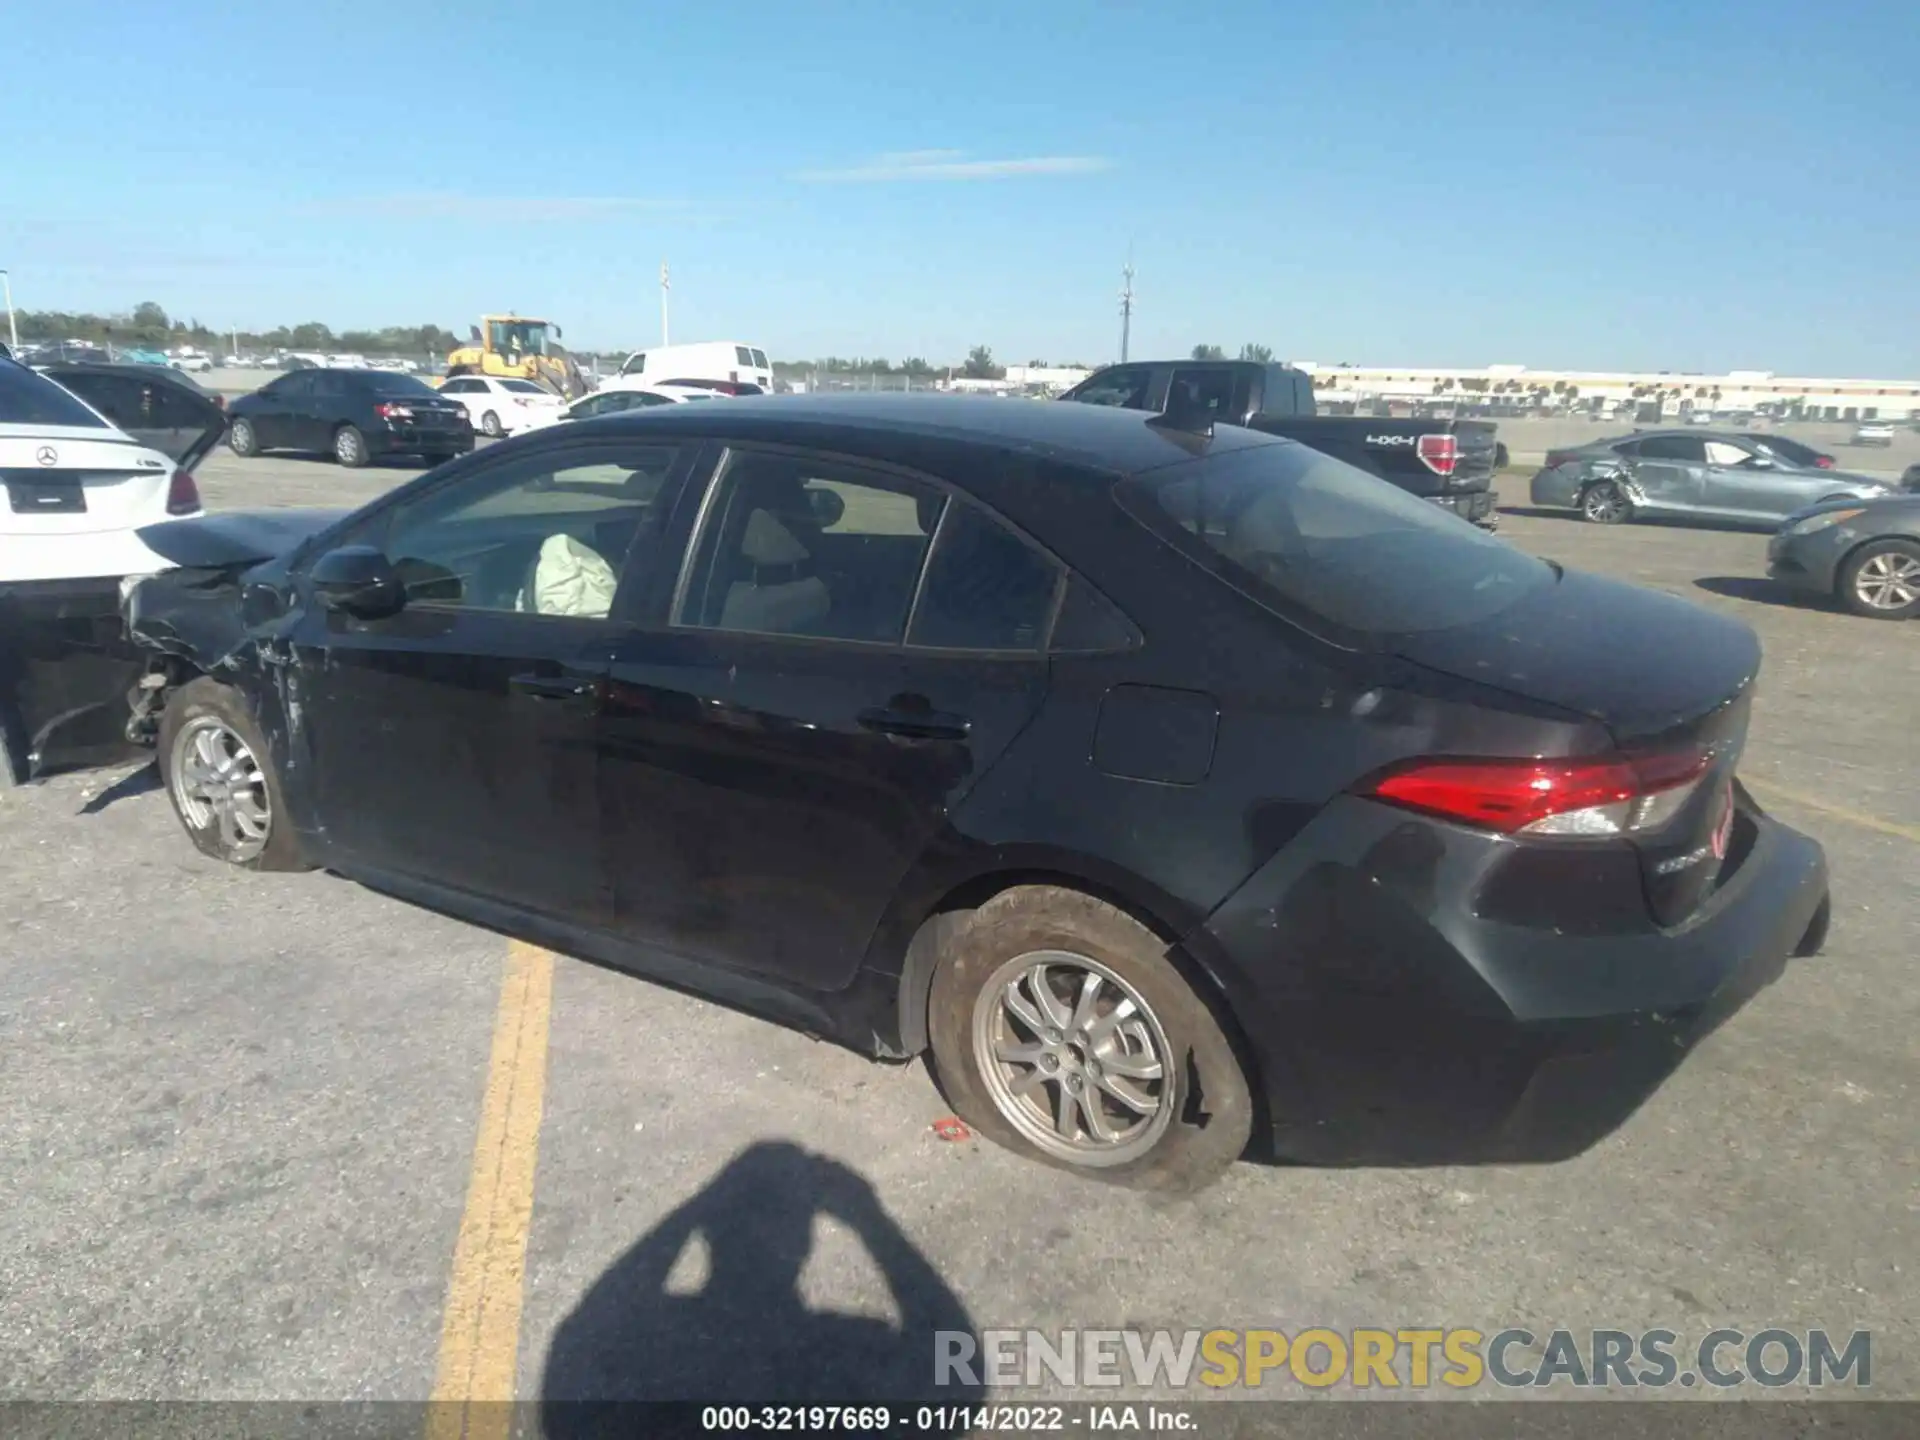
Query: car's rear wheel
{"x":490,"y":424}
{"x":1882,"y":579}
{"x":1605,"y":503}
{"x":219,"y":775}
{"x":1061,"y":1030}
{"x":350,"y":447}
{"x":241,"y":439}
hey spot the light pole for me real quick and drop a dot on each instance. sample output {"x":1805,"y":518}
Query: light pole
{"x":13,"y":332}
{"x":1126,"y":307}
{"x":663,"y":304}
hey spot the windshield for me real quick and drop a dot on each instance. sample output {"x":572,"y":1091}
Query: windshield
{"x":1314,"y":538}
{"x":528,"y":337}
{"x":27,"y":398}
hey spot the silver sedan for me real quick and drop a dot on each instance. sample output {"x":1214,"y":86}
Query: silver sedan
{"x":1690,"y":473}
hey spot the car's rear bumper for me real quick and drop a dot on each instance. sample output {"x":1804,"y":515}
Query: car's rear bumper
{"x":1474,"y":505}
{"x":1393,"y":1025}
{"x":407,"y":440}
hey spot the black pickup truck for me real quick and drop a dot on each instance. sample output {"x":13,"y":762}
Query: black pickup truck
{"x":1450,"y":462}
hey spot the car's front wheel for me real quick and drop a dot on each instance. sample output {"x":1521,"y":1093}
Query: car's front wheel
{"x":220,"y":777}
{"x":241,"y":439}
{"x":1605,"y":503}
{"x":1882,"y":579}
{"x":1061,"y":1030}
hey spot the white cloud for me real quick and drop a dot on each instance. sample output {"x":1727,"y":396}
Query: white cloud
{"x":953,"y":165}
{"x":440,"y":205}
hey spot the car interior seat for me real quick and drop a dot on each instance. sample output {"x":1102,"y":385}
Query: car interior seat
{"x":763,"y":574}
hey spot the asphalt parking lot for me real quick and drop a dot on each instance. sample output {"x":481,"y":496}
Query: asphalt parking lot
{"x":272,"y":1137}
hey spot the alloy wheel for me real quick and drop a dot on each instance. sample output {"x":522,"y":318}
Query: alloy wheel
{"x":1602,"y":504}
{"x":346,"y":447}
{"x":219,"y":785}
{"x":1889,"y":581}
{"x":1074,"y":1058}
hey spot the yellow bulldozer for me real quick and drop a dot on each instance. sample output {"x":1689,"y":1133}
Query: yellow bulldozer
{"x":514,"y":346}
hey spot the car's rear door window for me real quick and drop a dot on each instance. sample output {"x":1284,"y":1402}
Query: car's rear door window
{"x":1206,"y":390}
{"x":794,"y":545}
{"x":1330,"y":546}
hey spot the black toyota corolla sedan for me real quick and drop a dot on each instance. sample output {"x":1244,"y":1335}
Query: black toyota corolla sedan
{"x":1171,"y":787}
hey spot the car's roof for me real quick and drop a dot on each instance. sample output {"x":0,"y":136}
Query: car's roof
{"x":1098,"y":436}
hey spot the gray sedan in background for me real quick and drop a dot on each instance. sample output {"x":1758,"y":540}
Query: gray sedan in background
{"x":1704,"y":474}
{"x":1866,"y":556}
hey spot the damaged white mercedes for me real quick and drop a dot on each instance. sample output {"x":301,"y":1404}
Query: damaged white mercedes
{"x":88,"y":459}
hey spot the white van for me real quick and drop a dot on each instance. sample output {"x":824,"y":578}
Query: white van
{"x":725,"y":361}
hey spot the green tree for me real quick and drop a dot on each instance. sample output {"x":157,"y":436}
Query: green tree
{"x":980,"y":366}
{"x":916,"y":367}
{"x":1208,"y":352}
{"x":1259,"y":354}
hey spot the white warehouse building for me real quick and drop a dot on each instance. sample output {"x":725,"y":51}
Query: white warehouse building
{"x":1757,"y":392}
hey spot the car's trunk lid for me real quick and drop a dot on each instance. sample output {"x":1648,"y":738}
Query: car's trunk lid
{"x":1660,"y":673}
{"x":69,"y":481}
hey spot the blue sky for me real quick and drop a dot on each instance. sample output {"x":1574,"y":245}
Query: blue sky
{"x":1697,"y":186}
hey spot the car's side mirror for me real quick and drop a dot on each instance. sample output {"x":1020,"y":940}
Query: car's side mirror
{"x":357,"y":580}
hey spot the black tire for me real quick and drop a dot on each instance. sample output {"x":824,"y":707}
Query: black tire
{"x":1605,"y":503}
{"x":350,"y":447}
{"x":241,"y":438}
{"x":490,"y":425}
{"x":1884,"y":569}
{"x":1203,"y":1108}
{"x":206,"y":703}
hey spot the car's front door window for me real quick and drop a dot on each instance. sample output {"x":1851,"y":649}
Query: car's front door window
{"x":542,"y":534}
{"x":1125,"y":386}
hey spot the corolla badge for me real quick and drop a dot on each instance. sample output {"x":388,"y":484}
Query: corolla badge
{"x":47,"y":455}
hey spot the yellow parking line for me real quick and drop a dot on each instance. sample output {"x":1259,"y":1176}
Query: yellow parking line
{"x":480,"y":1334}
{"x":1839,"y":812}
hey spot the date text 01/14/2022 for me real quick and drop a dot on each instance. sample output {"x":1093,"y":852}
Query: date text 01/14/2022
{"x":942,"y":1419}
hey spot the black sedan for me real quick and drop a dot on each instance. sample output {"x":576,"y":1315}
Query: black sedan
{"x":354,"y":415}
{"x":1169,"y":785}
{"x":1866,"y":555}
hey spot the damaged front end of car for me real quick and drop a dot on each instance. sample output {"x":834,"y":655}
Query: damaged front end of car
{"x":212,"y":613}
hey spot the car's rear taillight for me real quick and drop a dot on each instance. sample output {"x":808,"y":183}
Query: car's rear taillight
{"x":183,"y":496}
{"x":1440,"y":453}
{"x":388,"y":411}
{"x":1601,"y":796}
{"x":1823,"y":462}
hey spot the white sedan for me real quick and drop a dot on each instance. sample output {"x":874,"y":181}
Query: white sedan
{"x":504,"y":407}
{"x":624,"y":397}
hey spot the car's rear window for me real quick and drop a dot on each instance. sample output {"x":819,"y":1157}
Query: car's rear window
{"x":1331,"y":546}
{"x":522,"y":387}
{"x":27,"y":398}
{"x":382,"y":383}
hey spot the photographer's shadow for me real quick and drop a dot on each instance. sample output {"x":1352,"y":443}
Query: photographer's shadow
{"x":746,"y":1334}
